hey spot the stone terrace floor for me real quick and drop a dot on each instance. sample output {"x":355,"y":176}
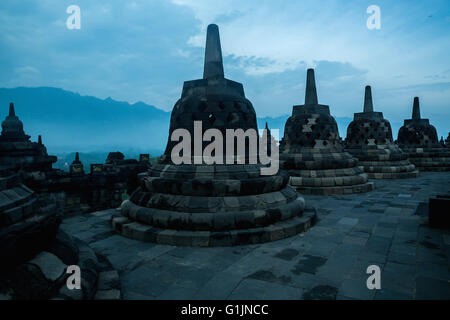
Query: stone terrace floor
{"x":329,"y":261}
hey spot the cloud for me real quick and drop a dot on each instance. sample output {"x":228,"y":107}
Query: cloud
{"x":27,"y":70}
{"x":268,"y":47}
{"x":295,"y":33}
{"x":144,"y":50}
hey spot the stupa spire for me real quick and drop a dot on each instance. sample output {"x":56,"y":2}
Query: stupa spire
{"x":368,"y":103}
{"x":311,"y":93}
{"x":416,"y":109}
{"x":213,"y":54}
{"x":12,"y":112}
{"x":39,"y":139}
{"x":77,"y":157}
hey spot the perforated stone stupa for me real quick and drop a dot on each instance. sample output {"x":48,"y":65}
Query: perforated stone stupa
{"x":312,"y":151}
{"x":369,"y":138}
{"x":419,"y":139}
{"x":217,"y":204}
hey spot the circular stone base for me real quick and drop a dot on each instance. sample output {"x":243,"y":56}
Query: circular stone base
{"x":384,"y":162}
{"x":337,"y":190}
{"x":325,"y":172}
{"x":429,"y":158}
{"x":424,"y":164}
{"x":433,"y":169}
{"x":273,"y":232}
{"x":393,"y":175}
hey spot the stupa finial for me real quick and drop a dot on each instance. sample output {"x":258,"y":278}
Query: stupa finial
{"x":416,"y":109}
{"x":267,"y":126}
{"x":213,"y":54}
{"x":12,"y":112}
{"x":40,"y":139}
{"x":368,"y":103}
{"x":77,"y":157}
{"x":311,"y":93}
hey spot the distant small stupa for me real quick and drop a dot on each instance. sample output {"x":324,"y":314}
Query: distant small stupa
{"x":419,"y":139}
{"x":12,"y":127}
{"x":16,"y":149}
{"x":76,"y":168}
{"x":369,"y":138}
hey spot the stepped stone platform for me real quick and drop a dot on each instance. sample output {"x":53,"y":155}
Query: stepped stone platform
{"x":385,"y":227}
{"x":35,"y":253}
{"x":369,"y":138}
{"x":418,"y":138}
{"x":312,"y":152}
{"x":212,"y":204}
{"x":102,"y":188}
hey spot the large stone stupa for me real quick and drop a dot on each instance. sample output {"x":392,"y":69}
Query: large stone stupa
{"x":212,"y":204}
{"x":369,"y":138}
{"x":312,"y":151}
{"x":419,"y":139}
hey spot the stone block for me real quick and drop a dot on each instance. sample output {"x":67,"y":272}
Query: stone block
{"x":50,"y":265}
{"x":113,"y":294}
{"x":108,"y":280}
{"x":439,"y":213}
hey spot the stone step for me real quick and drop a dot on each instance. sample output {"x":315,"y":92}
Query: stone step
{"x":14,"y":197}
{"x":21,"y":241}
{"x":327,"y":173}
{"x":9,"y":181}
{"x":337,"y":190}
{"x":217,"y":221}
{"x":432,"y":164}
{"x":273,"y":232}
{"x":203,"y":204}
{"x":433,"y":168}
{"x":215,"y":187}
{"x":52,"y":207}
{"x":329,"y":181}
{"x":19,"y":213}
{"x":389,"y":169}
{"x":393,"y":175}
{"x":245,"y":171}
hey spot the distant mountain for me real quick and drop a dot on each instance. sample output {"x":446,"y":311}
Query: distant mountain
{"x":69,"y":122}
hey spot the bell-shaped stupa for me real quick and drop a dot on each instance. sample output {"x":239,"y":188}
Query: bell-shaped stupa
{"x":12,"y":127}
{"x":312,"y":151}
{"x":369,"y":138}
{"x":16,"y":149}
{"x":76,"y":168}
{"x":419,"y":139}
{"x":196,"y":203}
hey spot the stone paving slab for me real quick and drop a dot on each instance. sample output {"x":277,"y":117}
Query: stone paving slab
{"x":327,"y":262}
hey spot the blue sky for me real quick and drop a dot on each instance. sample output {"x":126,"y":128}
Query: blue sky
{"x":143,"y":50}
